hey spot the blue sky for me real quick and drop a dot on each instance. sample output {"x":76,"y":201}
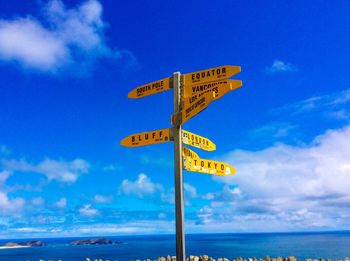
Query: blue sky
{"x":66,"y":68}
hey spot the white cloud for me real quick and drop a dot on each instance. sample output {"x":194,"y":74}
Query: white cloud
{"x":37,"y":201}
{"x":190,"y":190}
{"x":62,"y":171}
{"x":65,"y":37}
{"x":4,"y":175}
{"x":27,"y":42}
{"x":280,"y":66}
{"x":61,"y":203}
{"x":113,"y":167}
{"x":88,"y":211}
{"x":168,"y":197}
{"x":141,"y":187}
{"x":102,"y":199}
{"x":275,"y":130}
{"x":291,"y":187}
{"x":330,"y":103}
{"x":226,"y":194}
{"x":339,"y":115}
{"x":10,"y":206}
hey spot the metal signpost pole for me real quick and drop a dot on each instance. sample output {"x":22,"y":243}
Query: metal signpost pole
{"x":179,"y":195}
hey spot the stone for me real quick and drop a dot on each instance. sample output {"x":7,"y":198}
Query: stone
{"x":95,"y":241}
{"x":267,"y":258}
{"x":205,"y":258}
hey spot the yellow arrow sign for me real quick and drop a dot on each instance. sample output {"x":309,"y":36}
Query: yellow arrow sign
{"x":147,"y":138}
{"x":186,"y":152}
{"x":212,"y":74}
{"x":193,"y":107}
{"x":219,"y":87}
{"x":208,"y":166}
{"x":150,"y":88}
{"x":197,"y":141}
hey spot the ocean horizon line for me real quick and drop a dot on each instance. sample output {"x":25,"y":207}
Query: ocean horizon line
{"x":187,"y":234}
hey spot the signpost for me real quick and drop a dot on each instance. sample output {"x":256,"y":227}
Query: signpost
{"x":197,"y":141}
{"x":186,"y":152}
{"x":192,"y":107}
{"x":147,"y":138}
{"x":212,"y":74}
{"x":193,"y":92}
{"x":220,"y":88}
{"x":151,"y":88}
{"x":208,"y":166}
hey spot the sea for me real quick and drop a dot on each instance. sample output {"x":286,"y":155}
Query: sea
{"x":334,"y":245}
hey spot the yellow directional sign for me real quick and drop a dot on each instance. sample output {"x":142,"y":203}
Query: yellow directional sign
{"x":186,"y":152}
{"x":193,"y":107}
{"x":212,"y":74}
{"x":147,"y":138}
{"x":208,"y":166}
{"x":220,"y":88}
{"x":150,"y":88}
{"x":197,"y":141}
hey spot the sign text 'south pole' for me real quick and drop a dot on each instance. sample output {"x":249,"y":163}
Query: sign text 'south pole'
{"x":179,"y":195}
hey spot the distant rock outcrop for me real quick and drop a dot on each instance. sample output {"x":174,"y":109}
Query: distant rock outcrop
{"x":95,"y":241}
{"x":32,"y":243}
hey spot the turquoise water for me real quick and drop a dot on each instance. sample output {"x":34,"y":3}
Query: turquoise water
{"x":301,"y":245}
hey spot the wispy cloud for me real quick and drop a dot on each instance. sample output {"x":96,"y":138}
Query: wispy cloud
{"x":60,"y":170}
{"x":61,"y":203}
{"x":64,"y":38}
{"x":330,"y":102}
{"x":88,"y":211}
{"x":274,"y":130}
{"x":279,"y":66}
{"x":102,"y":199}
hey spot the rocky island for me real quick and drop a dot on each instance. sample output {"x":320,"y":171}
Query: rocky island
{"x":95,"y":241}
{"x":32,"y":243}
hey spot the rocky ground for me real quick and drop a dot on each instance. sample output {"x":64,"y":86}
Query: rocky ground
{"x":207,"y":258}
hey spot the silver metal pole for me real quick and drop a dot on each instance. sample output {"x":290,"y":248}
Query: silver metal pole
{"x":179,"y":195}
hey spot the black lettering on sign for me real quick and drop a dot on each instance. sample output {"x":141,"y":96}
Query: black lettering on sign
{"x":160,"y":134}
{"x":193,"y":98}
{"x":139,"y":138}
{"x":218,"y":72}
{"x":195,"y":162}
{"x":209,"y":164}
{"x":202,"y":163}
{"x":146,"y":136}
{"x":153,"y":135}
{"x":133,"y":139}
{"x":215,"y":164}
{"x":157,"y":85}
{"x":222,"y":166}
